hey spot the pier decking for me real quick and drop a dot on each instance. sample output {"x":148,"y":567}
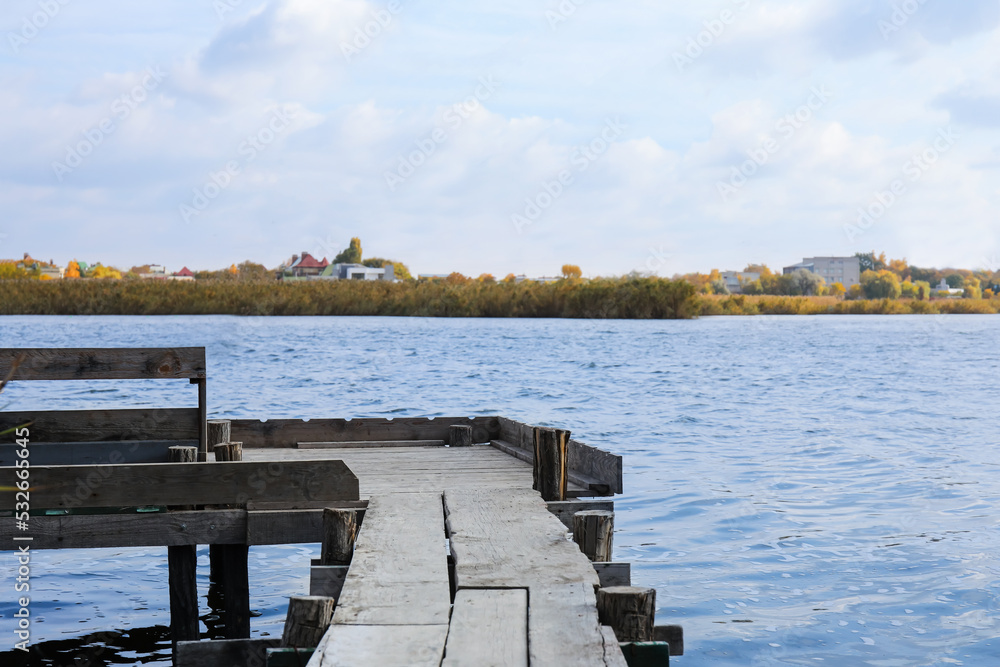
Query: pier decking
{"x":459,"y":559}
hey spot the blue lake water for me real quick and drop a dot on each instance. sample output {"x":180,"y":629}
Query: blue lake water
{"x":799,"y":490}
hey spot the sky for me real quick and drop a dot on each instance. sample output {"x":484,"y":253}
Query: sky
{"x":501,"y":137}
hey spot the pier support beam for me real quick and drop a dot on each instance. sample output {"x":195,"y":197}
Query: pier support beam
{"x":550,"y":468}
{"x":182,"y":563}
{"x":307,"y":620}
{"x":224,"y":451}
{"x":593,"y":531}
{"x":340,"y":530}
{"x":235,"y":582}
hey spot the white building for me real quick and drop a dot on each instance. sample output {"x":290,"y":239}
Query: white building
{"x":734,"y":280}
{"x":843,"y":270}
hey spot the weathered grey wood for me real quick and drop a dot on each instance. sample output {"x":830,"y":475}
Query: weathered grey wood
{"x":399,"y":571}
{"x":549,"y":472}
{"x":224,"y":652}
{"x":219,"y":431}
{"x":182,"y":564}
{"x":288,"y":432}
{"x":104,"y":363}
{"x":593,"y":531}
{"x":327,"y":580}
{"x":93,"y":453}
{"x":228,"y":451}
{"x":507,"y":538}
{"x":594,"y":486}
{"x":234,"y":579}
{"x":460,"y":436}
{"x":182,"y":454}
{"x":307,"y":619}
{"x":202,"y":418}
{"x":563,"y":628}
{"x":614,"y":574}
{"x":673,"y":635}
{"x":565,"y":509}
{"x":489,"y":628}
{"x":239,"y":482}
{"x":629,"y":610}
{"x":370,"y":444}
{"x":289,"y":527}
{"x":613,"y":656}
{"x":340,"y":530}
{"x":381,"y":645}
{"x":105,"y":425}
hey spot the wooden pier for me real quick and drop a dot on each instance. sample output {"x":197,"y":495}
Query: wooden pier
{"x":446,"y":542}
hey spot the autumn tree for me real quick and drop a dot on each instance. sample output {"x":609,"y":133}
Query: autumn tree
{"x":351,"y":254}
{"x":869,"y":261}
{"x":808,"y":283}
{"x":11,"y":271}
{"x":456,"y":278}
{"x":399,"y":270}
{"x":72,"y":270}
{"x":836,"y":289}
{"x":251,"y":271}
{"x":570,"y":271}
{"x":105,"y":272}
{"x":509,"y":278}
{"x":762,"y":269}
{"x":881,"y":285}
{"x":486,"y":278}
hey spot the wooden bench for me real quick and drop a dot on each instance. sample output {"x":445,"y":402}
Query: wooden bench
{"x":131,"y":436}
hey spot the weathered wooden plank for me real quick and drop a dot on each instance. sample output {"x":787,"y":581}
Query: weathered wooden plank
{"x":563,"y":628}
{"x":613,"y":656}
{"x":591,"y":462}
{"x":369,"y":444}
{"x":399,"y":572}
{"x":291,"y":527}
{"x":509,"y":539}
{"x":382,"y":645}
{"x":224,"y":652}
{"x":489,"y":628}
{"x":234,"y":579}
{"x":237,"y":482}
{"x":146,"y":529}
{"x":104,"y":363}
{"x":614,"y":574}
{"x":288,"y":432}
{"x":182,"y":566}
{"x":93,"y":453}
{"x":105,"y":425}
{"x":596,"y":486}
{"x":565,"y":509}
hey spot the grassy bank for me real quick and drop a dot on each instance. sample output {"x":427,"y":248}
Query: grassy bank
{"x":644,"y":298}
{"x":828,"y":305}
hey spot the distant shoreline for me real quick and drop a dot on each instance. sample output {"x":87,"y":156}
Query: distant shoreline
{"x":605,"y":298}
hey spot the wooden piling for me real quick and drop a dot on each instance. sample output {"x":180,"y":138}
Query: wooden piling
{"x":340,"y":530}
{"x":182,"y":564}
{"x":460,"y":436}
{"x":219,"y":431}
{"x":307,"y":620}
{"x":593,"y":531}
{"x":229,"y":451}
{"x":224,"y":451}
{"x":629,"y":611}
{"x":235,"y":581}
{"x":550,"y":469}
{"x":179,"y":454}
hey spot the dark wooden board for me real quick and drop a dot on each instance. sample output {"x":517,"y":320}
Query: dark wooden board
{"x":224,"y":652}
{"x":592,"y":486}
{"x":105,"y":425}
{"x":103,"y":363}
{"x":93,"y":453}
{"x":235,"y":483}
{"x":290,"y":432}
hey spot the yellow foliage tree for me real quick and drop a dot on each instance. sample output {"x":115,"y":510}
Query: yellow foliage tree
{"x":571,"y":271}
{"x":837,"y":290}
{"x":105,"y":272}
{"x":72,"y":270}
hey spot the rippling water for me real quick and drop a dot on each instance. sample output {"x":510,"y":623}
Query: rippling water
{"x":799,"y":490}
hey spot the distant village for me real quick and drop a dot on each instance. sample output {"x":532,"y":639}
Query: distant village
{"x":861,"y":276}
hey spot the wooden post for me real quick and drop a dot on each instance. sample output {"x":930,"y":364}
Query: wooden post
{"x":228,"y":451}
{"x":340,"y":530}
{"x":594,"y":531}
{"x":182,"y":566}
{"x":630,"y":612}
{"x":550,"y":468}
{"x":202,"y":418}
{"x":179,"y":454}
{"x":219,"y":431}
{"x":460,"y":436}
{"x":235,"y":582}
{"x":307,"y":620}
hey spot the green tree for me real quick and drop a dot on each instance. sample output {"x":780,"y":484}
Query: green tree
{"x":808,"y":283}
{"x":718,"y":286}
{"x":351,"y":254}
{"x":881,"y":284}
{"x":955,"y":280}
{"x":248,"y":271}
{"x":10,"y":271}
{"x":399,"y":270}
{"x":923,"y":290}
